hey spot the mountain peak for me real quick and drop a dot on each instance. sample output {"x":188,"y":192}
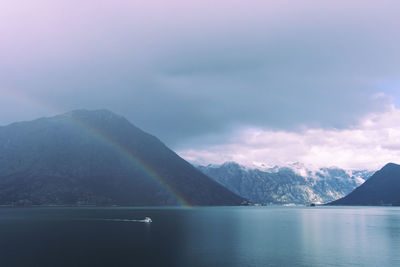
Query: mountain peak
{"x":231,"y":164}
{"x":381,"y":189}
{"x":390,"y":165}
{"x":284,"y":185}
{"x":101,"y":113}
{"x":97,"y":158}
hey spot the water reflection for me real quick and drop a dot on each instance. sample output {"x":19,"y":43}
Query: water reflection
{"x":292,"y":236}
{"x":234,"y":236}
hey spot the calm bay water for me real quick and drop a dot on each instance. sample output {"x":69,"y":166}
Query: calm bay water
{"x":221,"y":236}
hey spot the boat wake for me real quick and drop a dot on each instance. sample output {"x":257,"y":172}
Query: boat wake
{"x":145,"y":220}
{"x":120,"y":220}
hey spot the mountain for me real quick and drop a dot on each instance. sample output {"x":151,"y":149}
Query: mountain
{"x":383,"y":188}
{"x":97,"y":158}
{"x":293,"y":184}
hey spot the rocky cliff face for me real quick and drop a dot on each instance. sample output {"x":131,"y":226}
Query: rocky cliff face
{"x":286,"y":185}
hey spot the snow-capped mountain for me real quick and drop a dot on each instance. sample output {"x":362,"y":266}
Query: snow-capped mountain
{"x":292,"y":184}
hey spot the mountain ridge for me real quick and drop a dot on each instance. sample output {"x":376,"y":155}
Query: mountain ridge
{"x":381,"y":189}
{"x":100,"y":158}
{"x":284,"y":185}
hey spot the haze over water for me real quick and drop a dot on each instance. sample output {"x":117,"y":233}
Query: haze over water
{"x":218,"y":236}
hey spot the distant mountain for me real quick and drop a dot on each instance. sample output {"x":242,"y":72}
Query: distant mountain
{"x":383,"y":188}
{"x":97,"y":158}
{"x":294,"y":184}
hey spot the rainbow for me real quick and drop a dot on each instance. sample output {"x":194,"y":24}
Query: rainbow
{"x":20,"y":97}
{"x":131,"y":158}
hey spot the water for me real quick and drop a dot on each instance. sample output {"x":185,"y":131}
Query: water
{"x":234,"y":236}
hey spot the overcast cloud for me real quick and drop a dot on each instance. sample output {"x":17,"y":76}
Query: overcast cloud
{"x":370,"y":145}
{"x":196,"y":72}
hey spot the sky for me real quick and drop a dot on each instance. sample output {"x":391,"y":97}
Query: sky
{"x":269,"y":82}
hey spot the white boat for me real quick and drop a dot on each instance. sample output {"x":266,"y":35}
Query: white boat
{"x":147,"y":220}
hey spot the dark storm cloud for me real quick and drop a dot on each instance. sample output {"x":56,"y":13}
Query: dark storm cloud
{"x":186,"y":70}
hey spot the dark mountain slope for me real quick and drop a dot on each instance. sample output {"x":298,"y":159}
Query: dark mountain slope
{"x":383,"y":188}
{"x":100,"y":158}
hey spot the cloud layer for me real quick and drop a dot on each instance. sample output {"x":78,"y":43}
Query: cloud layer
{"x":193,"y":70}
{"x":371,"y":144}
